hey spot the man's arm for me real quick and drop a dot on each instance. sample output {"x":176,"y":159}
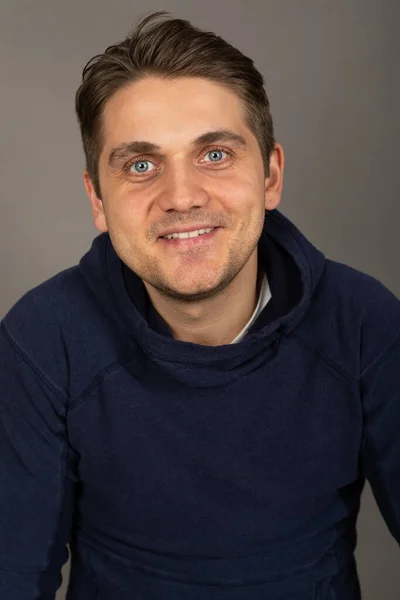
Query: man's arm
{"x":380,"y":393}
{"x":37,"y":480}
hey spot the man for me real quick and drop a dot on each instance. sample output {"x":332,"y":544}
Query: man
{"x":195,"y":407}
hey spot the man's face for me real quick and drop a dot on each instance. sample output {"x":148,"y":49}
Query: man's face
{"x":181,"y":185}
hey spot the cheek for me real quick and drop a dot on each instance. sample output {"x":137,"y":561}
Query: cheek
{"x":127,"y":210}
{"x":243,"y":196}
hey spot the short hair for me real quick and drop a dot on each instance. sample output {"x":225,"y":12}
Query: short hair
{"x":167,"y":47}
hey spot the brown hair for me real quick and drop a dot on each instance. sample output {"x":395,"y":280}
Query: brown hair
{"x":169,"y":48}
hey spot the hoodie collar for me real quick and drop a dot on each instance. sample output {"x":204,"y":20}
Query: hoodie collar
{"x":293,"y":266}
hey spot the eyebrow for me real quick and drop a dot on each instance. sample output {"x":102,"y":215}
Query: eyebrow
{"x":126,"y":149}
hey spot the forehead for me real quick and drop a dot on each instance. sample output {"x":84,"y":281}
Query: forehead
{"x":171,"y":112}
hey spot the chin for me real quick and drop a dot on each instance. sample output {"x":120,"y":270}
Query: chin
{"x":193,"y":292}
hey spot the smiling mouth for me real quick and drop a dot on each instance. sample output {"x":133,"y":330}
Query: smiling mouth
{"x":189,"y":238}
{"x":188,"y":234}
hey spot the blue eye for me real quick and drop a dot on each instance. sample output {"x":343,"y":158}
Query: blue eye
{"x":142,"y":166}
{"x":217,"y":155}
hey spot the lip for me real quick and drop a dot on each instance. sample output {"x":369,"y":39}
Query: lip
{"x":199,"y":240}
{"x":187,"y":229}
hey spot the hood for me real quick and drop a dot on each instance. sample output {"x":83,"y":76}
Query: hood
{"x":293,"y":266}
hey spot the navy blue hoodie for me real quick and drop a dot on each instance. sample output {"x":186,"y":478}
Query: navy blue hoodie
{"x":177,"y":471}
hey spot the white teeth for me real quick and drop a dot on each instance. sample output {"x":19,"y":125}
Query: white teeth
{"x":188,"y":234}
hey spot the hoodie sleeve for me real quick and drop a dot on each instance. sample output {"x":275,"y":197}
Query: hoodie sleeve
{"x":37,"y":479}
{"x":380,"y":394}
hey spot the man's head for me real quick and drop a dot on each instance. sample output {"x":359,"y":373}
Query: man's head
{"x":177,"y":134}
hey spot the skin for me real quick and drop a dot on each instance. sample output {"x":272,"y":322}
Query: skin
{"x":206,"y":293}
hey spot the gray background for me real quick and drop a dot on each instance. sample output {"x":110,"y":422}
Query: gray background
{"x":332,"y":75}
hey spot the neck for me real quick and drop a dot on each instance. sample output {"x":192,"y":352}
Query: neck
{"x":215,"y":321}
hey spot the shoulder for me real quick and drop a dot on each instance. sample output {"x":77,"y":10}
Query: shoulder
{"x":36,"y":322}
{"x":364,"y":293}
{"x":64,"y":331}
{"x":353,"y":317}
{"x":39,"y":309}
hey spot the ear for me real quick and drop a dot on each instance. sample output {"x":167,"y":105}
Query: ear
{"x":274,"y":183}
{"x":97,"y":206}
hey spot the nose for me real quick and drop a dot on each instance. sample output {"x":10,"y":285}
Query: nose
{"x":182,"y":189}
